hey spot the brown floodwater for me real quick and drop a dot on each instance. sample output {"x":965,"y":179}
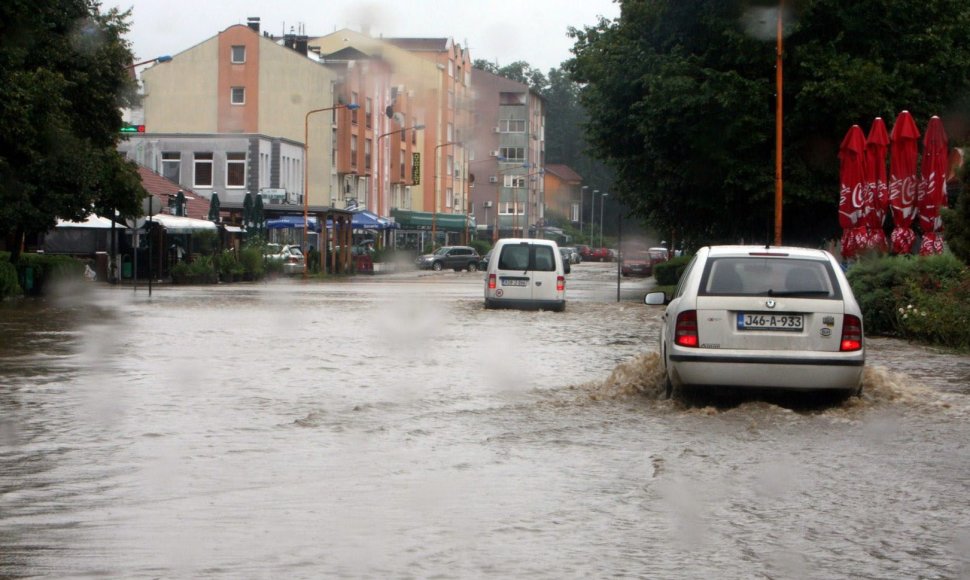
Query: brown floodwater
{"x":389,"y":426}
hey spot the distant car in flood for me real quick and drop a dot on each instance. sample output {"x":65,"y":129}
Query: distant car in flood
{"x":455,"y":258}
{"x":637,"y":262}
{"x":751,"y":316}
{"x":291,"y":257}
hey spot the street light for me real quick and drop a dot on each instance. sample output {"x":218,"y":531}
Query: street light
{"x":380,"y":159}
{"x":582,"y":192}
{"x":592,"y":216}
{"x":602,"y":199}
{"x":434,"y":214}
{"x":163,"y":58}
{"x":306,"y":167}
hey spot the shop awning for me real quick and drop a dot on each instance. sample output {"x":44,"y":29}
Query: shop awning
{"x":91,"y":222}
{"x":174,"y":224}
{"x":292,"y":221}
{"x":422,"y":220}
{"x":365,"y":220}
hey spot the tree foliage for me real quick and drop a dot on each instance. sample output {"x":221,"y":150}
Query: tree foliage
{"x":681,"y":102}
{"x":64,"y":77}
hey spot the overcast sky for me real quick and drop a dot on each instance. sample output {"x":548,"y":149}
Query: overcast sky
{"x":501,"y":31}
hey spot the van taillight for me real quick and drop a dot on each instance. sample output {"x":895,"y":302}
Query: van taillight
{"x":491,"y":281}
{"x":560,"y":284}
{"x":686,"y":332}
{"x":851,"y":333}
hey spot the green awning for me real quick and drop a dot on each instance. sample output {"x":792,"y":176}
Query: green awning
{"x":422,"y":220}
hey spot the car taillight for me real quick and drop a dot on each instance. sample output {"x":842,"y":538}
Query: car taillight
{"x":560,"y":284}
{"x":851,"y":333}
{"x":491,"y":281}
{"x":686,"y":332}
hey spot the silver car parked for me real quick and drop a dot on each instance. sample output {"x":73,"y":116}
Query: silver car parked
{"x":751,"y":316}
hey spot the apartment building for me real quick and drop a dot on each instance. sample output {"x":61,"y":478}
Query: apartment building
{"x":509,"y":156}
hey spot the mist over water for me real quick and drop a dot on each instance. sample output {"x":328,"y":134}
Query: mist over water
{"x":390,"y":426}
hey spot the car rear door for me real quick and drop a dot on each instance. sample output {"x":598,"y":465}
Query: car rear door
{"x":754,"y":304}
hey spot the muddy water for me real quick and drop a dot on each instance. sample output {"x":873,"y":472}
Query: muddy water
{"x":391,"y":427}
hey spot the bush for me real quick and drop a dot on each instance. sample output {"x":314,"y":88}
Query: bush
{"x":228,"y":266}
{"x":922,"y":298}
{"x":668,"y":273}
{"x":481,"y":246}
{"x":201,"y":270}
{"x":45,"y":270}
{"x":9,"y":285}
{"x":251,"y":258}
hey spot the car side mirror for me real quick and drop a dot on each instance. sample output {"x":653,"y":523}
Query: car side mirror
{"x":655,"y":299}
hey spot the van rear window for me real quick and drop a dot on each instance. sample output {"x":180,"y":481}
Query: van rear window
{"x":525,"y":257}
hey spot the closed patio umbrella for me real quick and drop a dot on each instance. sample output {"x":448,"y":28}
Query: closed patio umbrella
{"x":903,"y":182}
{"x":214,"y":207}
{"x":852,"y":192}
{"x":932,"y":187}
{"x":877,"y":146}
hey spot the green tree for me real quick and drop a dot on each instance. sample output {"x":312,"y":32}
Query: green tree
{"x":680,"y":96}
{"x":64,"y":77}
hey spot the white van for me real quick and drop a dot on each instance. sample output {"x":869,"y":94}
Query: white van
{"x":526,"y":273}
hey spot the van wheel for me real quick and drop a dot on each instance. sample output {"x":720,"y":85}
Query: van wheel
{"x":472,"y":267}
{"x":436,"y":266}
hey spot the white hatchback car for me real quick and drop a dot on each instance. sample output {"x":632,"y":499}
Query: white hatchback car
{"x":755,"y":316}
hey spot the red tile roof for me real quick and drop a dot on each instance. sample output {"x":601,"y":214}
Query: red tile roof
{"x":196,"y":206}
{"x":564,"y":172}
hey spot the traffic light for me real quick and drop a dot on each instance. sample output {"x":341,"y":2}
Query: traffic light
{"x":133,"y":129}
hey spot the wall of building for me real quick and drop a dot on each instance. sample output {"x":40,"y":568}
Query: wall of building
{"x":180,"y":96}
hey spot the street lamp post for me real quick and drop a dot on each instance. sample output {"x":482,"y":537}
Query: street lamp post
{"x":602,"y":199}
{"x":592,"y":216}
{"x":582,"y":194}
{"x":306,"y":168}
{"x":434,"y":214}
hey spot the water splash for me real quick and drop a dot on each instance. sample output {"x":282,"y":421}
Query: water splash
{"x":639,"y":376}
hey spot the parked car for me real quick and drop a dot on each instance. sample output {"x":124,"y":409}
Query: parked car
{"x":659,"y":254}
{"x":750,"y":316}
{"x":600,"y":255}
{"x":637,"y":262}
{"x":291,"y":257}
{"x":456,"y":258}
{"x":585,"y":252}
{"x":574,"y":256}
{"x":567,"y":258}
{"x":527,"y":274}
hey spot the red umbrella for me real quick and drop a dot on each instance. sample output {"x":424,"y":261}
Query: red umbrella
{"x":932,"y":186}
{"x":877,"y":145}
{"x":903,"y":182}
{"x":852,"y":191}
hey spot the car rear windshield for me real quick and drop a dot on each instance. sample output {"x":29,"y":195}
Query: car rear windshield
{"x":527,"y":257}
{"x":769,"y":276}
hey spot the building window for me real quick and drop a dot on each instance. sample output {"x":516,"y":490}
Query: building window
{"x":235,"y":169}
{"x":512,"y":153}
{"x":203,"y":170}
{"x":353,"y":151}
{"x":172,"y":166}
{"x":238,"y":96}
{"x":511,"y":126}
{"x":451,"y":132}
{"x":414,"y":134}
{"x":367,"y":154}
{"x":403,"y":163}
{"x":353,"y":113}
{"x":511,"y":208}
{"x":368,"y":112}
{"x":514,"y":181}
{"x":448,"y":196}
{"x":238,"y":54}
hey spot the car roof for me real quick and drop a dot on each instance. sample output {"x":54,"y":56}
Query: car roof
{"x":766,"y":251}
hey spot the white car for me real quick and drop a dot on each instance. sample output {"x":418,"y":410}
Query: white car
{"x":290,"y":256}
{"x":526,"y":273}
{"x":764,"y":317}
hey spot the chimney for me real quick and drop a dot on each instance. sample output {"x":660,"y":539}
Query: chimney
{"x":253,"y":23}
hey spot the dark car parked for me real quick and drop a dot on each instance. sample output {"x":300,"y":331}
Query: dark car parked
{"x":453,"y":257}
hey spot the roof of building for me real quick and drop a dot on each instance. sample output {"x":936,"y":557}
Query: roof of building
{"x":418,"y":44}
{"x":563,"y":172}
{"x":196,"y":206}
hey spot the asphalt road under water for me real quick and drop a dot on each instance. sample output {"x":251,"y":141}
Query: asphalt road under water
{"x":391,"y":427}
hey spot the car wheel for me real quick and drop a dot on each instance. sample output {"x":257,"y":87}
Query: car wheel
{"x":436,"y":266}
{"x":472,"y":267}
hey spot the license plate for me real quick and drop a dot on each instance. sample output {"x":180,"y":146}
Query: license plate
{"x":514,"y":281}
{"x":769,"y":321}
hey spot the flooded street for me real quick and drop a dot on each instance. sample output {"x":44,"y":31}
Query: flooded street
{"x":390,"y":427}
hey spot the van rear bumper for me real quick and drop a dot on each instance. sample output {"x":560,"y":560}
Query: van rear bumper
{"x":526,"y":304}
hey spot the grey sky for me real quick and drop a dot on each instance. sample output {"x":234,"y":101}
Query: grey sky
{"x":501,"y":31}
